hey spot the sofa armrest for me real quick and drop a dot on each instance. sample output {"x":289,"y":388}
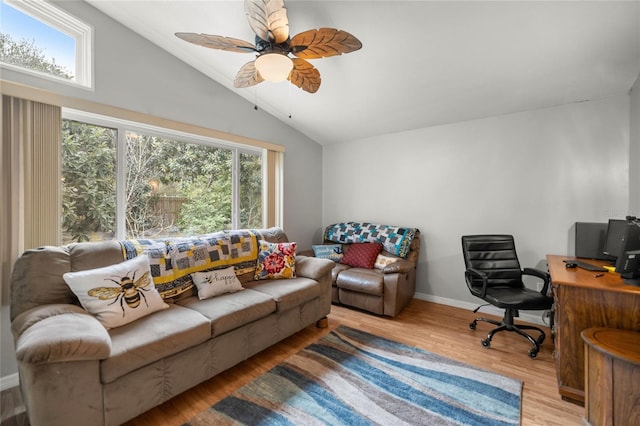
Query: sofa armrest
{"x":312,"y":267}
{"x":60,"y":332}
{"x":399,"y":266}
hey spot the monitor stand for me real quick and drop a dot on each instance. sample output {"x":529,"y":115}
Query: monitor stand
{"x":632,"y":281}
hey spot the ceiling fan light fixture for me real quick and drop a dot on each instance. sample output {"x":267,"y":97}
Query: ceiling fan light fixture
{"x":274,"y":66}
{"x":273,"y":45}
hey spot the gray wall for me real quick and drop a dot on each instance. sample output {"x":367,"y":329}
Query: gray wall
{"x":134,"y":74}
{"x":634,"y":137}
{"x":531,"y":174}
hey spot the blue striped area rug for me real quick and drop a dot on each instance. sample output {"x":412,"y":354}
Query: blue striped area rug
{"x":350,"y":377}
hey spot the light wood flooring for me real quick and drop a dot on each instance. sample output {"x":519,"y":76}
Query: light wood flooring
{"x":437,"y":328}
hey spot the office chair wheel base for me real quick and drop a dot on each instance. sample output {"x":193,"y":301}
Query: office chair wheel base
{"x":486,"y":343}
{"x":472,"y":326}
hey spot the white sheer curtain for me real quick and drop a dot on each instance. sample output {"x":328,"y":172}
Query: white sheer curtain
{"x":30,"y":207}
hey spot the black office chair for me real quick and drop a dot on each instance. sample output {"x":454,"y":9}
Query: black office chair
{"x":494,"y":275}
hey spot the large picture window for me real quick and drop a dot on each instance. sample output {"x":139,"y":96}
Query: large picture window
{"x":88,"y":181}
{"x":124,"y":180}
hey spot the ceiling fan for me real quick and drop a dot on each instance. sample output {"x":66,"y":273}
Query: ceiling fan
{"x":268,"y":20}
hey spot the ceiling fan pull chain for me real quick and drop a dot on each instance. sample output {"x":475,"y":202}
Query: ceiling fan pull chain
{"x":255,"y":98}
{"x":289,"y":88}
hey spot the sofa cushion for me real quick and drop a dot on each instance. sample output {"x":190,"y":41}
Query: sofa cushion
{"x":91,"y":255}
{"x":288,"y":293}
{"x":217,"y":282}
{"x":152,"y":338}
{"x":32,"y":285}
{"x":37,"y":274}
{"x":361,"y":255}
{"x":276,"y":260}
{"x":117,"y":294}
{"x":232,"y":310}
{"x":370,"y":281}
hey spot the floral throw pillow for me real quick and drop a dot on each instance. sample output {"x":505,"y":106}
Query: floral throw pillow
{"x":276,"y":260}
{"x":362,"y":255}
{"x":118,"y":294}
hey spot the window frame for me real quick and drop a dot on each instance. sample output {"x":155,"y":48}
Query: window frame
{"x":123,"y":126}
{"x":64,"y":22}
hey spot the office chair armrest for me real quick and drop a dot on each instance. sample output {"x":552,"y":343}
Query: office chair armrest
{"x":472,"y":273}
{"x":540,"y":274}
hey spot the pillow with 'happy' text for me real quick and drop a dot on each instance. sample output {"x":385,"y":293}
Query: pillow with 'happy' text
{"x":216,"y":282}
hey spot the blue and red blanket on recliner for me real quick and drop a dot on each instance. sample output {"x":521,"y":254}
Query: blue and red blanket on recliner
{"x":395,"y":239}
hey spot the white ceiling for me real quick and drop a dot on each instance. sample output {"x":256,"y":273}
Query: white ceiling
{"x":423,"y":63}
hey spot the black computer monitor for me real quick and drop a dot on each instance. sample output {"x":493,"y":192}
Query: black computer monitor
{"x":628,"y":262}
{"x":590,"y":238}
{"x":630,"y":267}
{"x":616,"y":229}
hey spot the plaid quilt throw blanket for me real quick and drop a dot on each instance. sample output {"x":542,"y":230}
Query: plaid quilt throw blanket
{"x":396,"y":240}
{"x":172,"y":260}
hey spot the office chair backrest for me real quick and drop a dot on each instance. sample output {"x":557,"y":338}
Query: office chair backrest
{"x":495,"y":255}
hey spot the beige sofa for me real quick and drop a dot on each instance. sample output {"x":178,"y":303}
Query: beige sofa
{"x":73,"y":371}
{"x":383,"y":290}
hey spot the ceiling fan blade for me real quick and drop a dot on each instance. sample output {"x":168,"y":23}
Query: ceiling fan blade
{"x":322,"y":43}
{"x":218,"y":42}
{"x":268,"y":19}
{"x":305,"y":76}
{"x":247,"y":76}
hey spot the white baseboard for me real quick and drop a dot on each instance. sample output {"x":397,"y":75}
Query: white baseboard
{"x":524,"y":316}
{"x":8,"y":382}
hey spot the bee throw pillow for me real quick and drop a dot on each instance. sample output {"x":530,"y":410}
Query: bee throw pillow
{"x":118,"y":294}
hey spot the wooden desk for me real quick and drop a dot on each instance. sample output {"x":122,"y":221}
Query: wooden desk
{"x":582,"y":301}
{"x":612,"y":364}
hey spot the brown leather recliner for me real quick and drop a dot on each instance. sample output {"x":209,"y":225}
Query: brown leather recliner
{"x":383,"y":291}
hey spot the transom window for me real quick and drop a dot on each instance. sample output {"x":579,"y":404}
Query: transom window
{"x":38,"y":38}
{"x":126,"y":180}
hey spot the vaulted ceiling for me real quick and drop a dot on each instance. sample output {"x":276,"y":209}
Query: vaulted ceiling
{"x":423,"y":63}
